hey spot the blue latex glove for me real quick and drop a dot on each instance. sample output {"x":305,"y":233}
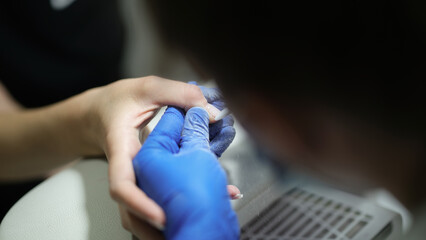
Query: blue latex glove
{"x":176,"y":168}
{"x":221,"y":133}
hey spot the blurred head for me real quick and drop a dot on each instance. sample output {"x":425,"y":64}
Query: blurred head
{"x":334,"y":87}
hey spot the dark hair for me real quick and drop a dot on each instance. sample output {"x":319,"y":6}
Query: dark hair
{"x":366,"y":58}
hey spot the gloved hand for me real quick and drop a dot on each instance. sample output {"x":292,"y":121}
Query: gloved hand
{"x":176,"y":168}
{"x":221,"y":133}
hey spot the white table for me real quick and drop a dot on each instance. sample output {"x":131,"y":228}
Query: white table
{"x":73,"y":204}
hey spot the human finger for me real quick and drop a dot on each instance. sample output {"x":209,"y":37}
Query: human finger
{"x":234,"y":192}
{"x":222,"y":140}
{"x":166,"y":134}
{"x":168,"y":92}
{"x":221,"y":133}
{"x":195,"y":131}
{"x":217,"y":126}
{"x":137,"y":202}
{"x":212,"y":95}
{"x":122,"y":181}
{"x":139,"y":228}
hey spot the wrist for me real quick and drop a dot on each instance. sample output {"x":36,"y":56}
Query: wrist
{"x":78,"y":125}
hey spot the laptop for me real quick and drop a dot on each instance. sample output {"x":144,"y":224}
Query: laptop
{"x":286,"y":205}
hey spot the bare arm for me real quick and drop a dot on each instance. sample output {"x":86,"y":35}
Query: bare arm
{"x":7,"y":103}
{"x":101,"y":120}
{"x":33,"y":142}
{"x":104,"y":120}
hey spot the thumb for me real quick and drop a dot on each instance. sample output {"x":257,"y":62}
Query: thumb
{"x":195,"y":133}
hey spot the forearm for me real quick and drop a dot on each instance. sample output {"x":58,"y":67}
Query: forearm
{"x":7,"y":102}
{"x":33,"y":142}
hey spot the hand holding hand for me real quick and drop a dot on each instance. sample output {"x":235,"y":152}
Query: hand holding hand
{"x":118,"y":114}
{"x":222,"y":132}
{"x":184,"y":177}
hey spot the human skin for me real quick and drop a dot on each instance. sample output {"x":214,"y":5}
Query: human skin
{"x":88,"y":124}
{"x":100,"y":121}
{"x":7,"y":103}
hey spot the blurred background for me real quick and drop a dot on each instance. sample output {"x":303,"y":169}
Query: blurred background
{"x":247,"y":167}
{"x":144,"y":53}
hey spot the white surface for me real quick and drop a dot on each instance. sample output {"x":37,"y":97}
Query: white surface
{"x":59,"y":5}
{"x":72,"y":205}
{"x":144,"y":53}
{"x":222,"y":114}
{"x":385,"y":199}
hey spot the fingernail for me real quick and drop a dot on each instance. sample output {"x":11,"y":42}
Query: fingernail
{"x":238,"y":196}
{"x":222,"y":114}
{"x":212,"y":110}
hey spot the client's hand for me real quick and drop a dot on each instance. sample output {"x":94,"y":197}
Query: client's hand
{"x":118,"y":113}
{"x":177,"y":169}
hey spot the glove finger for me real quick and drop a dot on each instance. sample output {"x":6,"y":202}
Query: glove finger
{"x":217,"y":126}
{"x":195,"y":133}
{"x":166,"y":135}
{"x":193,"y":83}
{"x":223,"y":139}
{"x":212,"y":95}
{"x":219,"y":104}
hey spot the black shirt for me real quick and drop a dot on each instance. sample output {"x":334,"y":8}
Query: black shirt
{"x":47,"y":55}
